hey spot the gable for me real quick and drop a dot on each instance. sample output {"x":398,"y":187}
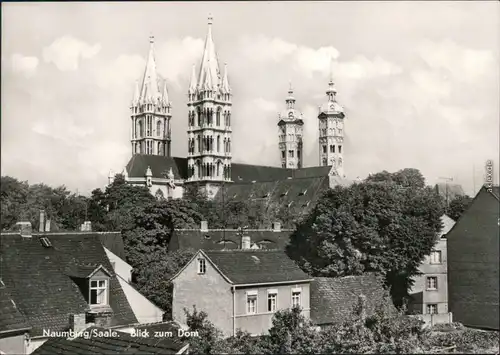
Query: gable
{"x":190,"y":270}
{"x":42,"y":286}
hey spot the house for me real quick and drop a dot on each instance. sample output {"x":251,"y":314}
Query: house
{"x":430,"y":290}
{"x":218,"y":239}
{"x":333,"y":299}
{"x":13,"y":326}
{"x":473,"y":257}
{"x":55,"y":278}
{"x":240,"y":288}
{"x":164,"y":341}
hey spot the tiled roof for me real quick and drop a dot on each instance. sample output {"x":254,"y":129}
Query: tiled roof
{"x":448,"y":224}
{"x":113,"y":241}
{"x":11,"y":318}
{"x":136,"y":168}
{"x":495,"y":190}
{"x":256,"y":266}
{"x":297,"y":195}
{"x":40,"y":286}
{"x":450,"y":190}
{"x":333,"y":299}
{"x":123,"y":343}
{"x":159,"y":165}
{"x":219,"y":239}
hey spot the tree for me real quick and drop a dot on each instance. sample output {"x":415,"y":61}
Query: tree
{"x":115,"y":208}
{"x":458,"y":206}
{"x":370,"y":226}
{"x":209,"y":339}
{"x":14,"y":194}
{"x":152,"y":276}
{"x":292,"y":333}
{"x":386,"y":332}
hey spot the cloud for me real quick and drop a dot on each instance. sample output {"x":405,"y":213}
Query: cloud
{"x":465,"y":64}
{"x":262,"y":49}
{"x":175,"y":58}
{"x":24,"y":64}
{"x":265,"y":105}
{"x":121,"y":72}
{"x":67,"y":51}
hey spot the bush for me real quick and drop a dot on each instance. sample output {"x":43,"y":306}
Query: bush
{"x":465,"y":341}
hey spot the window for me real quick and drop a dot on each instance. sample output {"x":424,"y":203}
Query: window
{"x":340,"y":149}
{"x":296,"y":297}
{"x":283,"y":154}
{"x":432,"y":308}
{"x":113,"y":264}
{"x":272,"y":300}
{"x":251,"y":302}
{"x":432,"y":283}
{"x":283,"y":165}
{"x":332,"y":148}
{"x":98,"y":292}
{"x":158,"y":128}
{"x":202,"y":266}
{"x":290,"y":153}
{"x":435,"y":257}
{"x":324,"y":149}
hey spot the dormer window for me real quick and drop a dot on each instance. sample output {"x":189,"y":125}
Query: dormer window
{"x":202,"y":266}
{"x":98,"y":292}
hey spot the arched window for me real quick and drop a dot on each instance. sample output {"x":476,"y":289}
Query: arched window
{"x":218,"y":145}
{"x":229,"y":118}
{"x":141,"y":129}
{"x":158,"y":128}
{"x":229,"y":145}
{"x":199,"y":144}
{"x":218,"y":117}
{"x":199,"y":117}
{"x":325,"y":162}
{"x":159,"y":148}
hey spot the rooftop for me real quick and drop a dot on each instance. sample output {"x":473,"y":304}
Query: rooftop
{"x":123,"y":343}
{"x":256,"y":266}
{"x":39,"y":283}
{"x":334,"y":298}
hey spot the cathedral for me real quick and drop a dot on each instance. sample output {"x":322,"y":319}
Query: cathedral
{"x":209,"y":162}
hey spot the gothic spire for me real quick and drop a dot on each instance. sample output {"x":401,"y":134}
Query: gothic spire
{"x":209,"y":75}
{"x":331,"y":92}
{"x":192,"y":84}
{"x":165,"y":94}
{"x":150,"y":90}
{"x":225,"y":81}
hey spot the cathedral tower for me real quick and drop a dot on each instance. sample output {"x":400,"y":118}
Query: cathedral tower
{"x":209,"y":121}
{"x":151,"y":112}
{"x":331,"y":130}
{"x":290,"y":134}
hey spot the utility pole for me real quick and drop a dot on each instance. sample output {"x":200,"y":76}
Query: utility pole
{"x":446,"y":193}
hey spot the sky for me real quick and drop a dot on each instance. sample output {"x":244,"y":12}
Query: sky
{"x":419,"y":82}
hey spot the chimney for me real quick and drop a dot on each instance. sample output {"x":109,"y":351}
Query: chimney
{"x":24,"y":228}
{"x":245,"y":242}
{"x":86,"y":226}
{"x":47,"y":226}
{"x":41,"y":227}
{"x":204,"y":226}
{"x":276,"y":226}
{"x":77,"y":322}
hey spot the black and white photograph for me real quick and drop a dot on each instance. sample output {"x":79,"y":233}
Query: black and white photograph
{"x":250,"y":177}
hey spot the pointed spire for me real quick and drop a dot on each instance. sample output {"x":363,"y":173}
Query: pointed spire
{"x":150,"y":90}
{"x":225,"y":81}
{"x":192,"y":84}
{"x":331,"y":92}
{"x":164,"y":97}
{"x":209,"y":76}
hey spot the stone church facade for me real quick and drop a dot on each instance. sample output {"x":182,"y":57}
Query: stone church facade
{"x":209,"y":162}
